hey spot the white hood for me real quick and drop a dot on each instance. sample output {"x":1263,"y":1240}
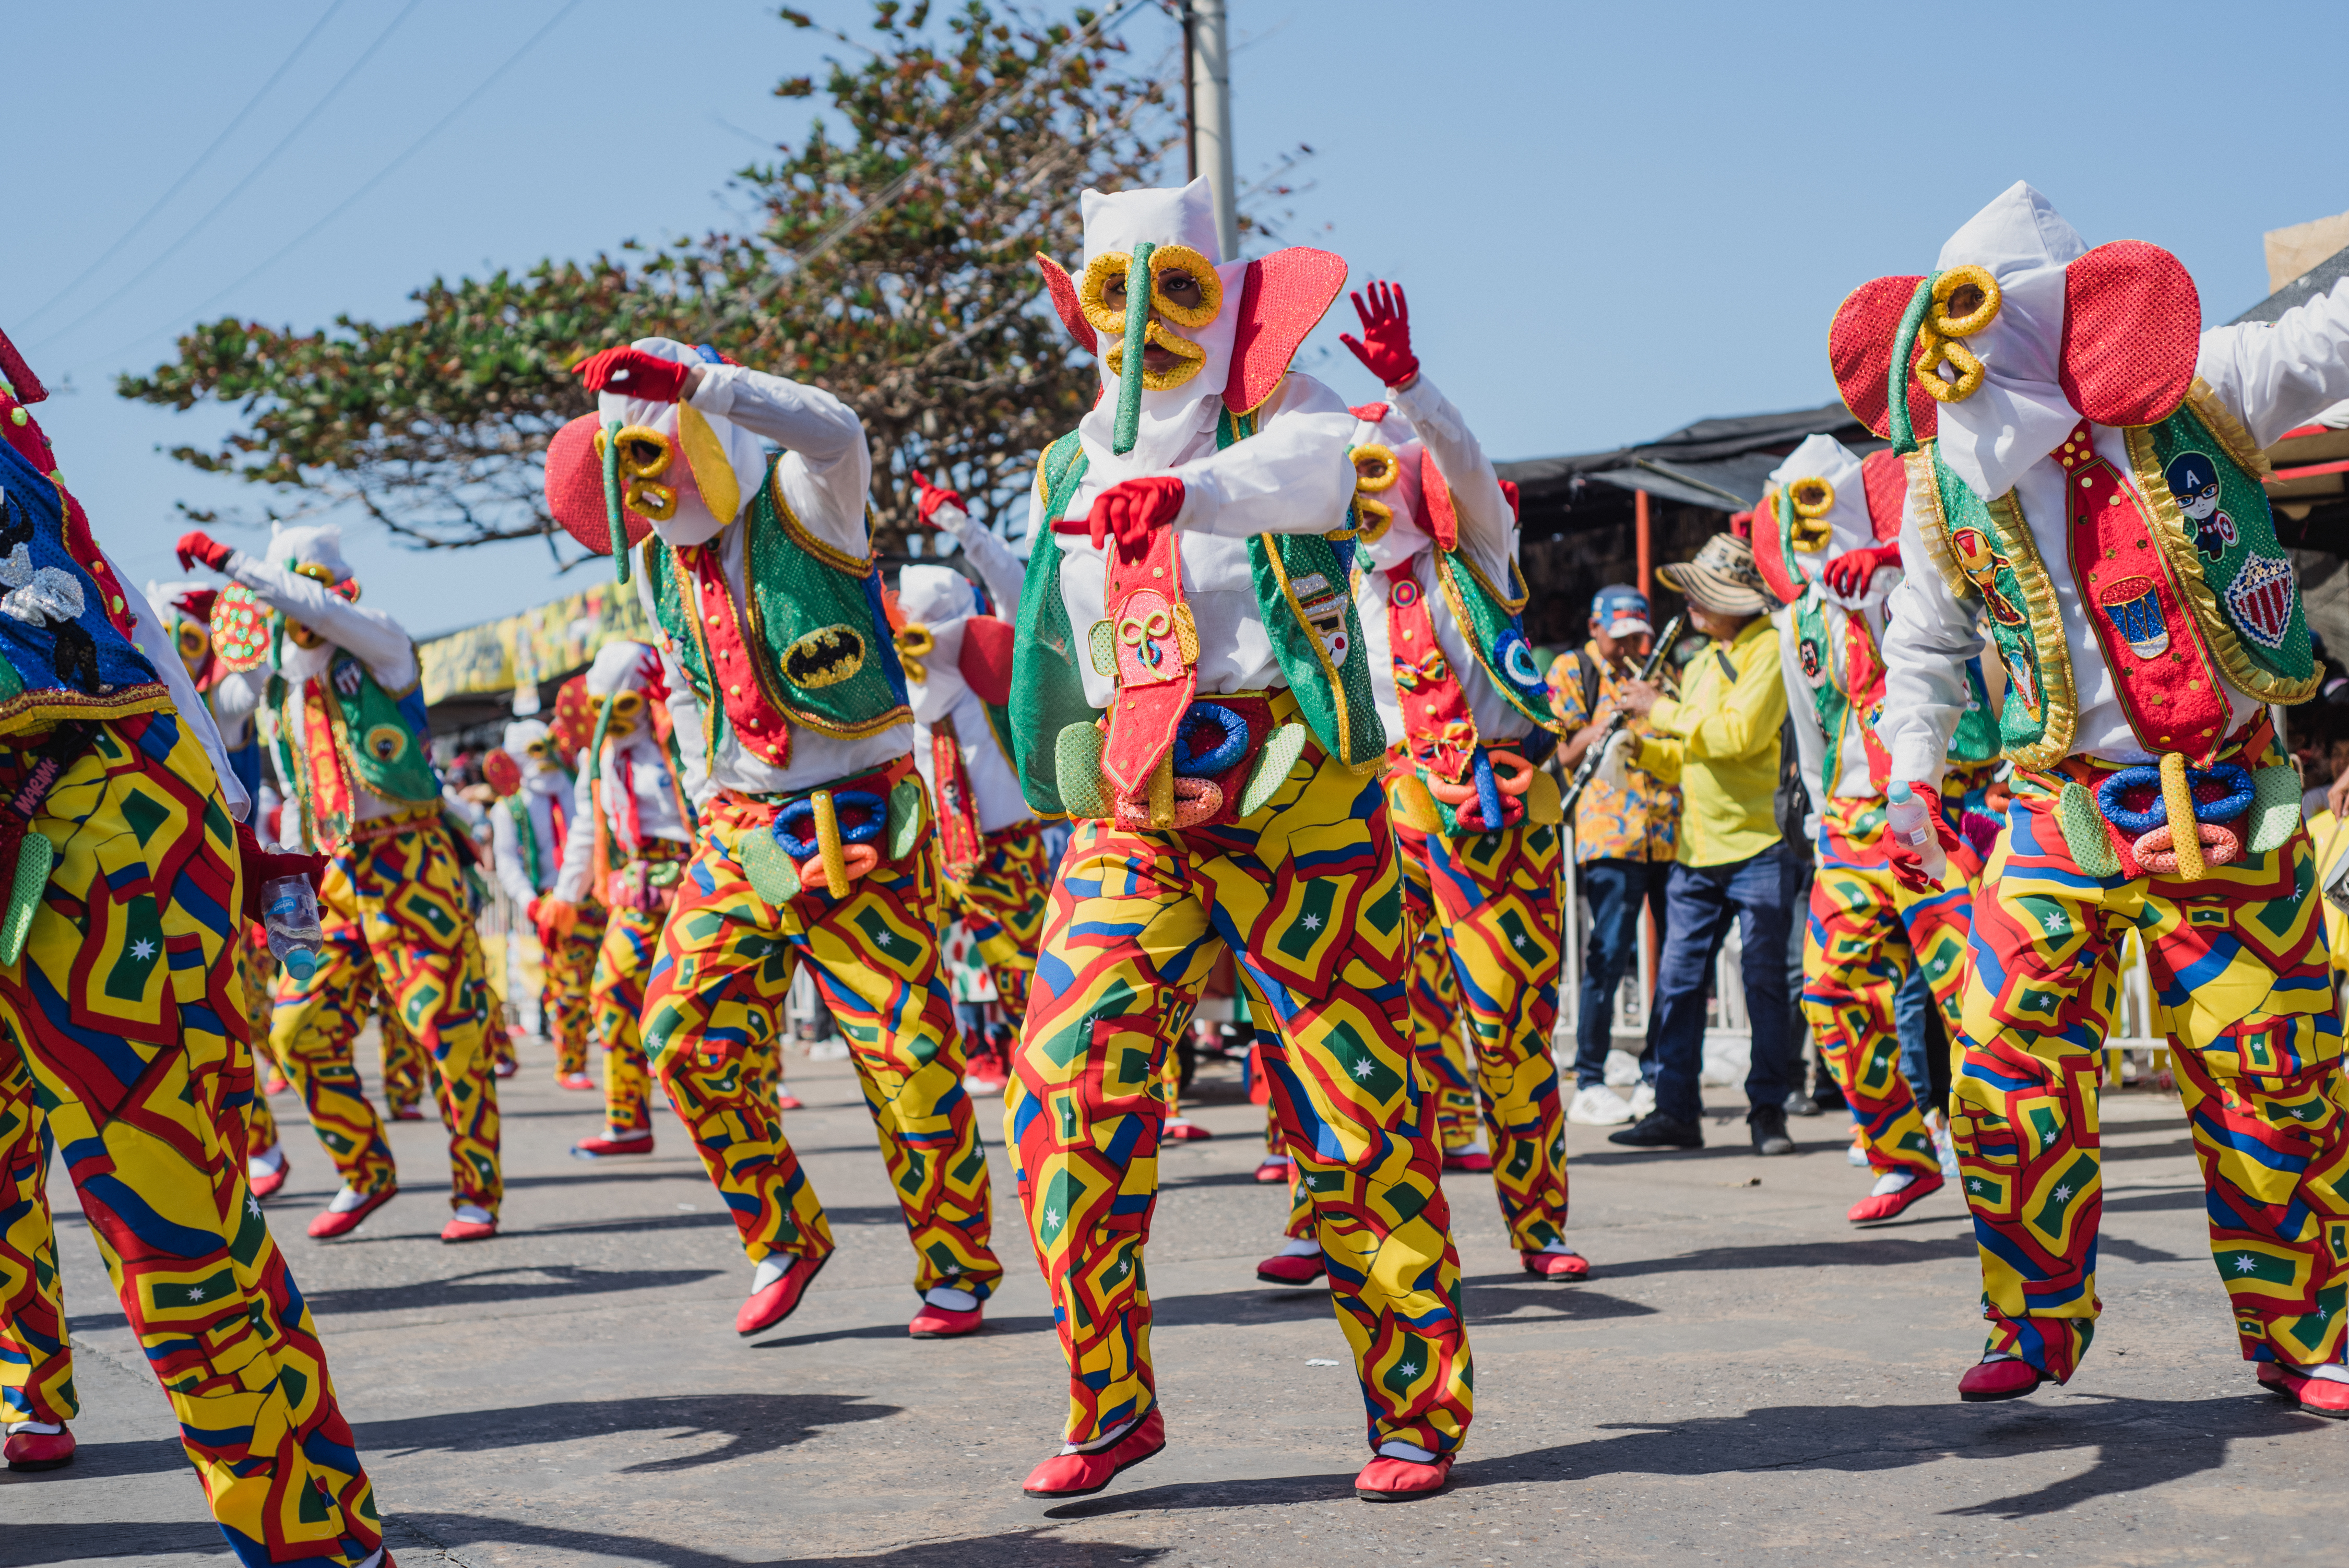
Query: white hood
{"x":1849,"y":527}
{"x":693,"y":522}
{"x":319,"y":544}
{"x":2020,"y":413}
{"x":942,"y":601}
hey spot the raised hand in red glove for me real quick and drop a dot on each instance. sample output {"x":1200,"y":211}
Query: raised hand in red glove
{"x":196,"y":545}
{"x":1384,"y":347}
{"x":1131,"y":510}
{"x":1849,"y":573}
{"x":197,"y":604}
{"x":935,"y":497}
{"x":1907,"y":862}
{"x":263,"y":867}
{"x":632,"y":373}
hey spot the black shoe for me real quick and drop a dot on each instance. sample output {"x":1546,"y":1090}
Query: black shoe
{"x":1657,"y":1130}
{"x":1768,"y":1124}
{"x":1828,"y":1095}
{"x":1800,"y":1104}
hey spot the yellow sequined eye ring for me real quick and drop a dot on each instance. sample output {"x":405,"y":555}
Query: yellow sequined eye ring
{"x":631,"y":465}
{"x":1812,"y":497}
{"x":1937,"y":319}
{"x":1194,"y":358}
{"x":913,"y":641}
{"x":1374,"y":518}
{"x":1111,"y":267}
{"x":1375,"y":469}
{"x":1092,"y":290}
{"x":1937,"y":337}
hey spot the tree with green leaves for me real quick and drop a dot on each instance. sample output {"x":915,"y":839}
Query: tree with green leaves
{"x":894,"y":268}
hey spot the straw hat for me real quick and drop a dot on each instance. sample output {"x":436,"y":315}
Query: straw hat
{"x":1723,"y":578}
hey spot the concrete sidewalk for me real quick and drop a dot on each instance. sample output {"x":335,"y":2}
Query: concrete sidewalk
{"x":1746,"y":1378}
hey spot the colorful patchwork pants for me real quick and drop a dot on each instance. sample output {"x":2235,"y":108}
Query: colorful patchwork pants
{"x":1001,"y":904}
{"x":570,"y":970}
{"x":121,"y":1040}
{"x":2238,"y":963}
{"x":1435,"y":1038}
{"x":253,"y":967}
{"x":624,"y":961}
{"x":394,"y":914}
{"x":1305,"y":892}
{"x":711,"y":1021}
{"x":1866,"y":933}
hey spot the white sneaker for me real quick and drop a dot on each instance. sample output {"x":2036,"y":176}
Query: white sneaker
{"x":1598,"y":1106}
{"x":1857,"y":1155}
{"x":1622,"y":1069}
{"x":1643,"y":1100}
{"x":834,"y":1049}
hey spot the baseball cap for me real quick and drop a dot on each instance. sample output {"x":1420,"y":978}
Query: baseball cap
{"x":1620,"y":610}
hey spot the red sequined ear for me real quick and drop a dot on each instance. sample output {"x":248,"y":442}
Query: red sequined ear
{"x":1859,"y":351}
{"x":1063,"y":290}
{"x":1435,"y":504}
{"x":1285,"y":297}
{"x":2132,"y":331}
{"x":1769,"y":554}
{"x":20,"y":374}
{"x":1369,"y":413}
{"x":574,"y":488}
{"x":985,"y":661}
{"x":1885,"y":478}
{"x":502,"y":773}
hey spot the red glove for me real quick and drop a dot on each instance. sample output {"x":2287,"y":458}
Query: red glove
{"x":1132,"y":509}
{"x":1384,"y":347}
{"x":196,"y":603}
{"x":935,"y":497}
{"x":196,"y":545}
{"x":263,"y":867}
{"x":1849,"y":573}
{"x":530,"y":911}
{"x":1906,"y":860}
{"x":632,"y":373}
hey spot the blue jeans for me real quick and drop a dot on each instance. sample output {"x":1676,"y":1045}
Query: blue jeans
{"x":1760,"y":893}
{"x":1617,"y":890}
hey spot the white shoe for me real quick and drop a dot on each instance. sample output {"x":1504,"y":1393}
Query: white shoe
{"x":1622,"y":1069}
{"x":1643,"y":1101}
{"x":1857,"y":1155}
{"x":1598,"y":1106}
{"x":834,"y":1049}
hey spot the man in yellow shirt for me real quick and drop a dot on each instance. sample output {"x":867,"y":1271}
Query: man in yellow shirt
{"x":1719,"y":741}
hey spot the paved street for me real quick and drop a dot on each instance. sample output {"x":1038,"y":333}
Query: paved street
{"x":1744,"y":1379}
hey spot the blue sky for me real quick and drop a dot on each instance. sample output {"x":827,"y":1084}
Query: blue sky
{"x":1611,"y":218}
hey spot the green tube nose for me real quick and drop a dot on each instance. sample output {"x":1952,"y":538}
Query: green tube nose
{"x":1137,"y":329}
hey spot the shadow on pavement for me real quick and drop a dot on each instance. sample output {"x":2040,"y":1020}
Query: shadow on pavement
{"x":48,"y":1544}
{"x":1863,"y":1251}
{"x":1500,"y":1296}
{"x":480,"y":1288}
{"x":1027,"y":1548}
{"x":1252,"y":1491}
{"x":2136,"y":1443}
{"x":754,"y":1424}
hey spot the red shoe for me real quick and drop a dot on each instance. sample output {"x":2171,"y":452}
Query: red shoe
{"x":1081,"y":1475}
{"x":1467,"y":1159}
{"x":406,"y":1113}
{"x":1288,"y":1268}
{"x":506,"y":1069}
{"x":984,"y":1077}
{"x":329,"y":1224}
{"x":607,"y":1146}
{"x":1275,"y":1171}
{"x":769,"y":1307}
{"x":1183,"y":1132}
{"x":786,"y":1100}
{"x":1556,"y":1266}
{"x":573,"y":1080}
{"x":277,"y":1085}
{"x":2007,"y":1379}
{"x":2317,"y":1395}
{"x":1892,"y":1204}
{"x":40,"y":1451}
{"x":1399,"y":1480}
{"x":943,"y":1323}
{"x":265,"y":1185}
{"x":457,"y":1230}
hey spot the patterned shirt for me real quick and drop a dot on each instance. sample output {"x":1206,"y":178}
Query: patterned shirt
{"x":1635,"y":822}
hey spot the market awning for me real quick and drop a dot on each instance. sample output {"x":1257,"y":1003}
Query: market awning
{"x":538,"y":645}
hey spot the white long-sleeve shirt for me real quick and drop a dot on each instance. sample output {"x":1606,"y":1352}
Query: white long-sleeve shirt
{"x":540,"y":790}
{"x":1488,"y":537}
{"x":374,"y":637}
{"x":1852,"y":781}
{"x":637,"y":758}
{"x":147,"y":633}
{"x":2271,"y":375}
{"x":942,"y":693}
{"x":1291,"y":477}
{"x":825,"y":472}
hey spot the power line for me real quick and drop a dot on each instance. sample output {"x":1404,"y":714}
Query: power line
{"x":217,"y":207}
{"x":180,"y":183}
{"x":380,"y":175}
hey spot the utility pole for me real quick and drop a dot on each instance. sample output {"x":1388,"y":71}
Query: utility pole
{"x":1209,"y":66}
{"x":1190,"y":92}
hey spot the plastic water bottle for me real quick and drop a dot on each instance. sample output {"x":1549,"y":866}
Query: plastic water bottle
{"x":289,"y":914}
{"x":1910,"y":823}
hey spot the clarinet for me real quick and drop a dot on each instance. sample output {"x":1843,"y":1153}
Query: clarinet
{"x":1589,"y":764}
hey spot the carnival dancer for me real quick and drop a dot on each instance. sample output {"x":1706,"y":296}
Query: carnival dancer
{"x":348,"y":730}
{"x":2052,"y":402}
{"x":1826,"y":538}
{"x":122,"y":1038}
{"x":1440,"y":602}
{"x":625,"y":850}
{"x":957,"y":650}
{"x":529,"y":832}
{"x":232,"y":690}
{"x":815,"y":846}
{"x":1191,"y":687}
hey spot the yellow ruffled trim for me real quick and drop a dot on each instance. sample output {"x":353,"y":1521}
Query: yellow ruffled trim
{"x":2179,"y":545}
{"x":1935,"y":528}
{"x":796,"y":531}
{"x":2057,"y":699}
{"x":2229,"y":431}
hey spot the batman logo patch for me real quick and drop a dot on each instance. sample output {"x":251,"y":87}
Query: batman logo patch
{"x":824,"y":658}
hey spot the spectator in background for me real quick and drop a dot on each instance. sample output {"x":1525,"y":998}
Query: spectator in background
{"x":1623,"y":843}
{"x":1720,"y":742}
